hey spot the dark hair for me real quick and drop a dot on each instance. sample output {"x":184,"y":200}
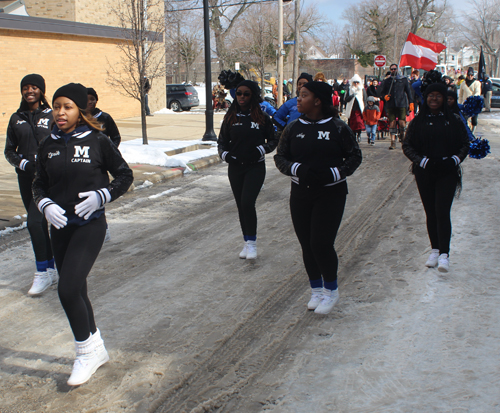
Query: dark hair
{"x":255,"y":111}
{"x":23,"y":107}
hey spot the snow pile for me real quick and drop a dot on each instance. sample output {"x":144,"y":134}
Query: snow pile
{"x":154,"y":153}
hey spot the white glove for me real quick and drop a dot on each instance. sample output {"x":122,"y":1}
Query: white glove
{"x":88,"y":206}
{"x":55,"y":215}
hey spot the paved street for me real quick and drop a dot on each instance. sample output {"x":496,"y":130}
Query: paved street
{"x":191,"y":327}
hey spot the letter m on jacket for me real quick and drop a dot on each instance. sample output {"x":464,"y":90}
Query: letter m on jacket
{"x":79,"y":151}
{"x":255,"y":125}
{"x":324,"y":135}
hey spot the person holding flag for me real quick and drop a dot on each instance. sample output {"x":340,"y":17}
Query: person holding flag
{"x":397,"y":94}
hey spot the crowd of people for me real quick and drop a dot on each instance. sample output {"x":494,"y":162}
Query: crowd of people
{"x":62,"y":155}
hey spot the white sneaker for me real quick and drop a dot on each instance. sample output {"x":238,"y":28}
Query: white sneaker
{"x":243,"y":253}
{"x":100,"y":350}
{"x":432,"y":261}
{"x":316,"y":297}
{"x":54,"y":275}
{"x":41,"y":282}
{"x":443,"y":263}
{"x":330,"y":298}
{"x":251,"y":250}
{"x":86,"y":363}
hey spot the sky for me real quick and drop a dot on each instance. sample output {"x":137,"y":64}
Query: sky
{"x":332,"y":9}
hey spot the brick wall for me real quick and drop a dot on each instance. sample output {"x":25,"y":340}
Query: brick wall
{"x":51,"y":9}
{"x":61,"y":59}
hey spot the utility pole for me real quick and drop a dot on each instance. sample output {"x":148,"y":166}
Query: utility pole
{"x":209,"y":111}
{"x":296,"y":49}
{"x":280,"y":53}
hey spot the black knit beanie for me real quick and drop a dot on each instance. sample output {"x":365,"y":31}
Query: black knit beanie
{"x":323,"y":91}
{"x":470,"y":71}
{"x":91,"y":91}
{"x":306,"y":76}
{"x":437,"y":87}
{"x":35,"y":80}
{"x":253,"y":86}
{"x":74,"y":91}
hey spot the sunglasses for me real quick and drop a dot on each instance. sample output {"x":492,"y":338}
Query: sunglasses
{"x":393,"y":69}
{"x":246,"y":94}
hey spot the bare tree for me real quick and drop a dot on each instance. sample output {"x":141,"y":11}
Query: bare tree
{"x":223,"y":17}
{"x":142,"y":50}
{"x":424,"y":13}
{"x":482,"y":28}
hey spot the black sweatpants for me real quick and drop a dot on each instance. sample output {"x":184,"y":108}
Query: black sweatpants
{"x":437,"y":192}
{"x":246,"y":182}
{"x":75,"y":250}
{"x":316,"y":217}
{"x":36,"y":222}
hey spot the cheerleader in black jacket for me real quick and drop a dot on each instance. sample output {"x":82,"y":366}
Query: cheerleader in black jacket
{"x":107,"y":123}
{"x":318,"y":151}
{"x":246,"y":135}
{"x":27,"y":127}
{"x":71,"y":187}
{"x":437,"y":143}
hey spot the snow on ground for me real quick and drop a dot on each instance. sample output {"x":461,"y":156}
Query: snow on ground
{"x":154,"y":153}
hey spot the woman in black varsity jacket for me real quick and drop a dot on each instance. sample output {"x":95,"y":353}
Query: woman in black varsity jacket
{"x":318,"y":151}
{"x":27,"y":127}
{"x":71,"y":187}
{"x":246,"y":135}
{"x":437,"y":143}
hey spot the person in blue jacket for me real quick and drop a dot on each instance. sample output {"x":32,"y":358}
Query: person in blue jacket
{"x":288,"y":111}
{"x":455,"y":108}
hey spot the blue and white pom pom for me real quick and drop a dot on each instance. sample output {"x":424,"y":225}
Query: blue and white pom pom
{"x":479,"y":148}
{"x":473,"y":106}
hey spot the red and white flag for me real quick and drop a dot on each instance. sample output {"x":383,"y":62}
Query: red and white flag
{"x":420,"y":53}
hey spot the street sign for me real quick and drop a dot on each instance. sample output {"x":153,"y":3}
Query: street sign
{"x":289,"y":42}
{"x":380,"y":61}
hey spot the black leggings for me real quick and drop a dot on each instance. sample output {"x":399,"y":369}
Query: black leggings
{"x":246,"y":182}
{"x":75,"y":250}
{"x":36,"y":222}
{"x":437,"y":193}
{"x":316,"y":217}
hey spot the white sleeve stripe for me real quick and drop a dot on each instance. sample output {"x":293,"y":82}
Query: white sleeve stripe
{"x":456,"y":159}
{"x":423,"y":162}
{"x":261,"y":150}
{"x":44,"y":203}
{"x":294,"y":168}
{"x":223,"y":156}
{"x":22,"y":165}
{"x":101,"y":196}
{"x":336,"y":174}
{"x":106,"y":194}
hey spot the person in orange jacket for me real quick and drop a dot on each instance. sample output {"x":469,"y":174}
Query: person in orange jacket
{"x":371,"y":115}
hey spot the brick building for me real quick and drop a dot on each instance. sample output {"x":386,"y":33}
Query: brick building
{"x":63,"y":50}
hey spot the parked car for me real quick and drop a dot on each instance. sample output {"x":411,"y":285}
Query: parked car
{"x":495,"y":95}
{"x":268,"y":97}
{"x":181,"y":97}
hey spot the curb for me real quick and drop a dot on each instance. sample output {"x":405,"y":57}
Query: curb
{"x":177,"y":172}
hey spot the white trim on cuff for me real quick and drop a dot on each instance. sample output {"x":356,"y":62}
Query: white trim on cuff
{"x":22,"y":165}
{"x":336,"y":174}
{"x":261,"y":150}
{"x":423,"y":162}
{"x":456,"y":159}
{"x":223,"y":155}
{"x":43,"y":203}
{"x":295,"y":167}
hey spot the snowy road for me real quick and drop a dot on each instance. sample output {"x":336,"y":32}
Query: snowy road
{"x":190,"y":327}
